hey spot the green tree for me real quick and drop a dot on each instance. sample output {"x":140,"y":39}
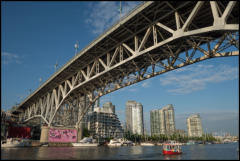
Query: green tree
{"x":86,"y":133}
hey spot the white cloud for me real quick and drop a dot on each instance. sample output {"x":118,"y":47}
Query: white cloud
{"x":189,"y":79}
{"x":146,"y":84}
{"x":133,"y":89}
{"x":105,"y":99}
{"x":104,"y":14}
{"x":10,"y":58}
{"x":120,"y":112}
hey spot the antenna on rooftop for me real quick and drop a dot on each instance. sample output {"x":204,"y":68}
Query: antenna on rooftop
{"x":76,"y":46}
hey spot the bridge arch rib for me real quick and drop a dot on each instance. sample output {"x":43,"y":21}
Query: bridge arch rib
{"x":158,"y":47}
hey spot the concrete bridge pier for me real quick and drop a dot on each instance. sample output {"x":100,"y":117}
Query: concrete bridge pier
{"x":80,"y":133}
{"x":44,"y":134}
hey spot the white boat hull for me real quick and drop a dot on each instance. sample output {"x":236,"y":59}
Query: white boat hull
{"x":147,"y":144}
{"x":118,"y":144}
{"x":14,"y":145}
{"x":84,"y":144}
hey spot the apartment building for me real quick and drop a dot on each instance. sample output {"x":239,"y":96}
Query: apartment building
{"x":194,"y":126}
{"x":162,"y":121}
{"x":134,"y":117}
{"x":104,"y":123}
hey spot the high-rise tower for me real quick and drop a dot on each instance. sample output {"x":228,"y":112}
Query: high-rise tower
{"x":162,"y":121}
{"x":194,"y":126}
{"x":134,"y":117}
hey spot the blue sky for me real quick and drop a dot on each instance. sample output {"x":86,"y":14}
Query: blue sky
{"x":36,"y":35}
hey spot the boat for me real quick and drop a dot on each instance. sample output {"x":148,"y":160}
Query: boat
{"x":114,"y":142}
{"x":11,"y":143}
{"x":86,"y":142}
{"x":159,"y":144}
{"x":171,"y":148}
{"x":208,"y":142}
{"x":146,"y":144}
{"x":44,"y":145}
{"x":125,"y":142}
{"x":190,"y":142}
{"x":200,"y":142}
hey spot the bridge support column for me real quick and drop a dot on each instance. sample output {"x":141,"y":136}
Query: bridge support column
{"x":44,"y":134}
{"x":80,"y":133}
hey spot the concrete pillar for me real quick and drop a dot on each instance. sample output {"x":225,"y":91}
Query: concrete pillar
{"x":80,"y":133}
{"x":44,"y":134}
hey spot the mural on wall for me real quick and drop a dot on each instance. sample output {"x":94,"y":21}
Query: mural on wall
{"x":62,"y":135}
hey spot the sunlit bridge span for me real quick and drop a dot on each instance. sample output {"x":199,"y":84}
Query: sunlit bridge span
{"x":154,"y":38}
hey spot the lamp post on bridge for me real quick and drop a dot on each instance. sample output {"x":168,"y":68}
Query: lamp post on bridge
{"x":55,"y":66}
{"x":76,"y":46}
{"x":40,"y":81}
{"x":120,"y":9}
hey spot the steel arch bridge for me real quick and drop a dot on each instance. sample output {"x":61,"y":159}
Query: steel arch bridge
{"x":156,"y":37}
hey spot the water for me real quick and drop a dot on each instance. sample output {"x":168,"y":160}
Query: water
{"x":190,"y":152}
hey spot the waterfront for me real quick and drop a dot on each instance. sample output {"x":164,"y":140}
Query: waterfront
{"x":190,"y":152}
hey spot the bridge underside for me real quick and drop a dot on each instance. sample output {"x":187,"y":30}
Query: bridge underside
{"x":155,"y":38}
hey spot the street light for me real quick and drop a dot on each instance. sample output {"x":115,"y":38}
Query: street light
{"x":120,"y":9}
{"x":76,"y":46}
{"x":40,"y":80}
{"x":55,"y":66}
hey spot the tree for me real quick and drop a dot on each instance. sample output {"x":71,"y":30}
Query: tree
{"x":86,"y":133}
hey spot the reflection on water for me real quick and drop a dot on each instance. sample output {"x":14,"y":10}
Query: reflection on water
{"x":137,"y":150}
{"x":56,"y":152}
{"x":191,"y":152}
{"x":172,"y":157}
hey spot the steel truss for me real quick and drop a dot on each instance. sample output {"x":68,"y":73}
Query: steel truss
{"x":147,"y":53}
